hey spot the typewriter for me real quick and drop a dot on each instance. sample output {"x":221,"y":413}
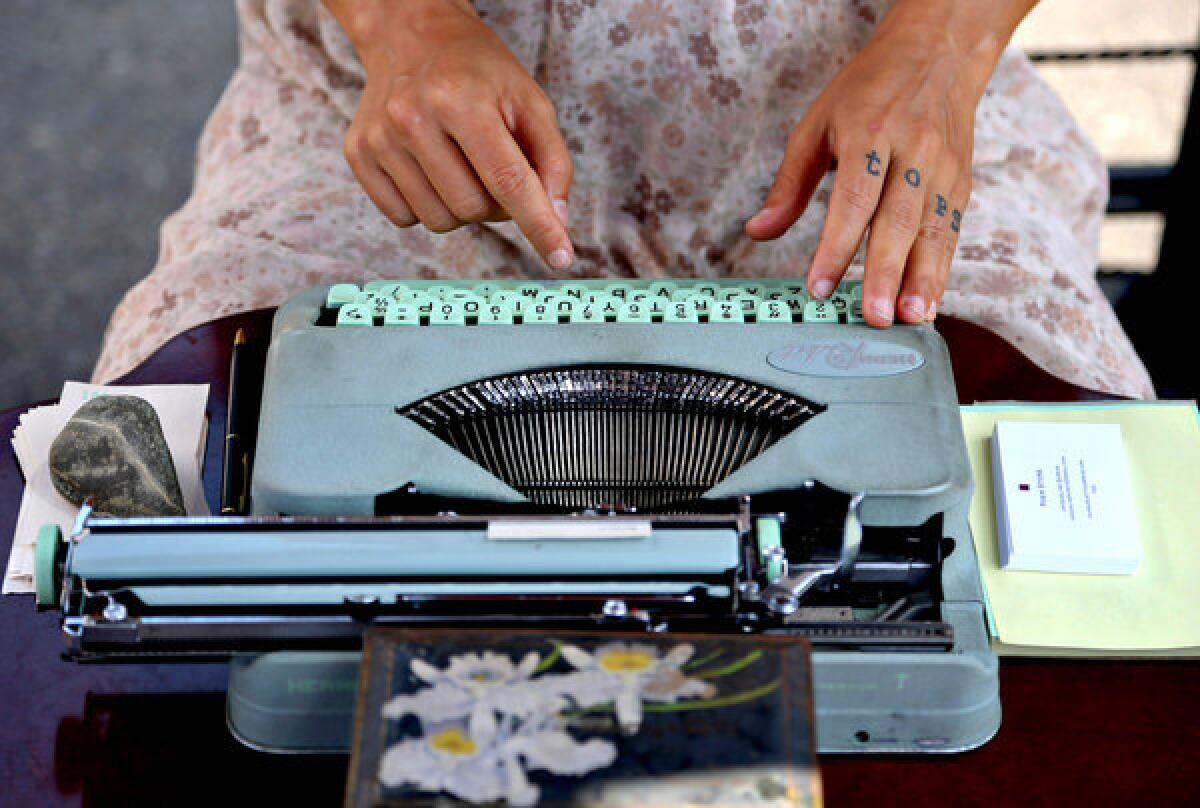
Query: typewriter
{"x":724,"y":457}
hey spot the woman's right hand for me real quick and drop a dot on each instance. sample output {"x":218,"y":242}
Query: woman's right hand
{"x":451,"y":128}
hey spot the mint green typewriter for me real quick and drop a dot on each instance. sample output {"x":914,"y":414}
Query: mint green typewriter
{"x":700,"y":456}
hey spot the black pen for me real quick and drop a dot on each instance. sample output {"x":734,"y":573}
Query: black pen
{"x":233,"y":482}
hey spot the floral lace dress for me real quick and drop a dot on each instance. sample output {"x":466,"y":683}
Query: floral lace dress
{"x":675,"y":113}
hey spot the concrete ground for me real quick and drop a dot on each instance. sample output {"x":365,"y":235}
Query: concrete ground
{"x":102,"y":102}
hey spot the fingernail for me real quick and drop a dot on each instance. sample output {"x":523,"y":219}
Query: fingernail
{"x":882,"y":309}
{"x":914,"y":308}
{"x":932,"y":311}
{"x":559,"y":259}
{"x":762,"y":214}
{"x":560,"y":210}
{"x":822,"y":287}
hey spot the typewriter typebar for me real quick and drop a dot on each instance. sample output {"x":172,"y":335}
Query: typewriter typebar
{"x":696,"y":456}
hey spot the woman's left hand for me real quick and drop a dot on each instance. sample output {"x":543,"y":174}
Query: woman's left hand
{"x":896,"y":123}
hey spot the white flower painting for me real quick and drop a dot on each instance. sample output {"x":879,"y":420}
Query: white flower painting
{"x":486,"y":720}
{"x":636,"y":673}
{"x":472,"y":683}
{"x":481,"y":760}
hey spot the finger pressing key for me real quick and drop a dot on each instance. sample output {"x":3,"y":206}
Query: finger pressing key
{"x":511,"y":181}
{"x":924,"y":278}
{"x":857,"y":185}
{"x":893,"y":232}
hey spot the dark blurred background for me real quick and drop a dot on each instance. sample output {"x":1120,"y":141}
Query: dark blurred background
{"x":102,"y":102}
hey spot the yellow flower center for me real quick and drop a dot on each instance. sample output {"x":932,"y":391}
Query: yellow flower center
{"x":453,"y":742}
{"x":626,"y":661}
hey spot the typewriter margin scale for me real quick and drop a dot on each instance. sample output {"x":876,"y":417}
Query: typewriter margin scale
{"x":143,"y":588}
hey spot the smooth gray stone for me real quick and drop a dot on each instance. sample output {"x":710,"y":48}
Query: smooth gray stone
{"x":113,"y":451}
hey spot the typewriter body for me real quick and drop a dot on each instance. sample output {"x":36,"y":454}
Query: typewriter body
{"x":670,"y":456}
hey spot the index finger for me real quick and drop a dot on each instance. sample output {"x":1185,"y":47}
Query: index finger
{"x":512,"y":182}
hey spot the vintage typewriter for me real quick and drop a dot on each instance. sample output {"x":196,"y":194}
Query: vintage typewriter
{"x":653,"y":456}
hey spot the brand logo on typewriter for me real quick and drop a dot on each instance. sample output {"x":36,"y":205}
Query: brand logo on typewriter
{"x":855,"y":357}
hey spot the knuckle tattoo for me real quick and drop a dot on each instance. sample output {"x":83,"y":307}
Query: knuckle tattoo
{"x":874,"y":163}
{"x":912,"y":177}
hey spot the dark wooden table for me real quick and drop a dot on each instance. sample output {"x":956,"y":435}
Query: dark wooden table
{"x":1074,"y":732}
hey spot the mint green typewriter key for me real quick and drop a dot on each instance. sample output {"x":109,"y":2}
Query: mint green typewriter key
{"x":683,"y":293}
{"x":702,"y":304}
{"x":680,"y":311}
{"x":533,"y":291}
{"x":748,"y":302}
{"x":485,"y":290}
{"x":448,"y":312}
{"x":395,"y":290}
{"x":658,"y":307}
{"x":380,"y":306}
{"x":496,"y":314}
{"x":820,"y":311}
{"x":634,"y":312}
{"x":854,"y":313}
{"x":725,"y":311}
{"x":424,"y":305}
{"x":840,"y":301}
{"x":402,"y":314}
{"x":796,"y":303}
{"x":610,"y":307}
{"x":773,"y":311}
{"x":513,"y":299}
{"x":441,"y":291}
{"x":540,"y":314}
{"x":621,"y":291}
{"x":756,"y":289}
{"x":706,"y":289}
{"x":355,"y":314}
{"x":563,"y":305}
{"x":340,"y":294}
{"x":730,"y":292}
{"x":662,"y":288}
{"x":471,"y":297}
{"x":575,"y":290}
{"x":471,"y":306}
{"x":587,"y":313}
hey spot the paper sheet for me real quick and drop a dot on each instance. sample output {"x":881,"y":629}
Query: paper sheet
{"x":1156,"y":608}
{"x":180,"y":408}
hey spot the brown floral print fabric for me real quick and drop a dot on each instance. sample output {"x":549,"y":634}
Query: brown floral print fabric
{"x":675,"y":113}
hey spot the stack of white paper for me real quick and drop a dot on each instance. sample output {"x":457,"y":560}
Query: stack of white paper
{"x":180,"y":408}
{"x":1064,"y":501}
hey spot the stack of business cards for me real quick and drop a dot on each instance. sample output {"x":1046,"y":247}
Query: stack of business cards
{"x":1064,"y":502}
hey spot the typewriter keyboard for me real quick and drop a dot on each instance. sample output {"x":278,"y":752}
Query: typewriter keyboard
{"x":429,"y":303}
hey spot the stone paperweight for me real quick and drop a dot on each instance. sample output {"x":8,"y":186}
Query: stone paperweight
{"x":113,"y":450}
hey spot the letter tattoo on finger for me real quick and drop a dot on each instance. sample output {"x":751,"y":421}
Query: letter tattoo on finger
{"x":940,"y":208}
{"x":913,"y":177}
{"x":956,"y":220}
{"x":873,"y":163}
